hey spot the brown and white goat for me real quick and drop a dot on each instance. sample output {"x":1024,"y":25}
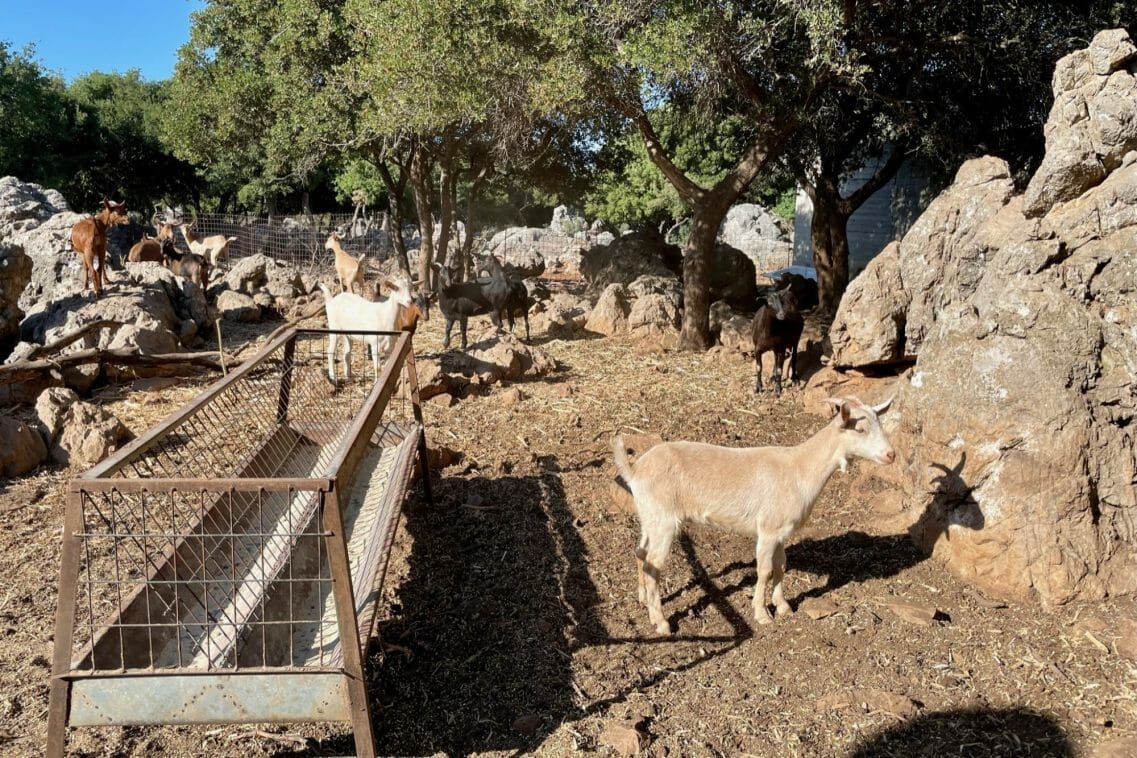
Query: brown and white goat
{"x":213,"y":248}
{"x":187,"y":265}
{"x":153,"y":248}
{"x":349,"y":270}
{"x":768,"y":492}
{"x":89,"y":239}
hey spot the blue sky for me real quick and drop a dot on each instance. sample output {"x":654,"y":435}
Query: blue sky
{"x":74,"y":38}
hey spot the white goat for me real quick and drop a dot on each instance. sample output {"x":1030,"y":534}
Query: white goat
{"x":768,"y":492}
{"x":349,"y":270}
{"x":213,"y":248}
{"x":350,"y":312}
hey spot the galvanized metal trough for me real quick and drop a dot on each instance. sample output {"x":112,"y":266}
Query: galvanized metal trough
{"x":227,"y":565}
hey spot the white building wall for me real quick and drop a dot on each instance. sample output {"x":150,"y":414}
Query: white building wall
{"x":884,"y":217}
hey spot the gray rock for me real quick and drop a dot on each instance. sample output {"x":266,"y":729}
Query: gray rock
{"x":1014,"y":429}
{"x":15,"y":273}
{"x":1092,"y":124}
{"x":22,"y":448}
{"x":610,"y":314}
{"x":237,"y":306}
{"x":759,"y":234}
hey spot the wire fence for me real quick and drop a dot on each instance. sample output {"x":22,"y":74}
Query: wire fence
{"x":302,"y":241}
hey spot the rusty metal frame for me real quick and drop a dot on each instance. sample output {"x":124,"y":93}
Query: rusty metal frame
{"x":223,"y":691}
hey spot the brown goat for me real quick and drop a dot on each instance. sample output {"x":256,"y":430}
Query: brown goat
{"x":89,"y":239}
{"x":187,"y":265}
{"x":151,"y":248}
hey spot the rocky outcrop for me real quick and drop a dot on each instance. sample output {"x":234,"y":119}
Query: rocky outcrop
{"x":522,"y":246}
{"x":759,"y":234}
{"x":1015,"y":425}
{"x":610,"y":315}
{"x":628,"y":258}
{"x":278,"y":283}
{"x":78,"y":433}
{"x":15,"y":273}
{"x":1092,"y":124}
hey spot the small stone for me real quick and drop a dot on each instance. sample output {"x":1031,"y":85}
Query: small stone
{"x":818,"y":607}
{"x":623,"y":736}
{"x":914,"y":613}
{"x":511,"y":397}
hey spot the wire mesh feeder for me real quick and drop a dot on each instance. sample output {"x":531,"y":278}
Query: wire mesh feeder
{"x":227,"y":565}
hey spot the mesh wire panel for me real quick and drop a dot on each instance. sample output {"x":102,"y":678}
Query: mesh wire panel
{"x":204,"y":547}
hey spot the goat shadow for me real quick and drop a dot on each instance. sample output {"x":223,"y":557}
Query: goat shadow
{"x":972,"y":732}
{"x":953,"y":503}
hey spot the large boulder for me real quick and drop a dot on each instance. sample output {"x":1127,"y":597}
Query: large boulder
{"x":628,"y":258}
{"x":39,"y":221}
{"x":610,"y":314}
{"x":259,"y":273}
{"x":15,"y":273}
{"x":497,"y":356}
{"x":759,"y":234}
{"x":524,"y":247}
{"x":940,"y":260}
{"x":1081,"y":150}
{"x":80,"y":433}
{"x":1014,"y":427}
{"x":733,"y":278}
{"x":22,"y":449}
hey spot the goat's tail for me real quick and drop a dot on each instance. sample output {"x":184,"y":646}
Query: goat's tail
{"x":623,"y":467}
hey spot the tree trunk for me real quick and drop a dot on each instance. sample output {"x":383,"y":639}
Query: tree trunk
{"x":829,"y":235}
{"x":420,"y":186}
{"x":696,"y":332}
{"x":446,"y":186}
{"x":395,"y":208}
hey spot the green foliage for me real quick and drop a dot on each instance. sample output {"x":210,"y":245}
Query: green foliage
{"x":98,"y":138}
{"x":36,"y":119}
{"x":359,"y":178}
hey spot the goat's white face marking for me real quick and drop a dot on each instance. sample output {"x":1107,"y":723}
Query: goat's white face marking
{"x":862,"y":425}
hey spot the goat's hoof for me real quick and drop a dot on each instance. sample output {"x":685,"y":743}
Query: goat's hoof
{"x":785,"y":610}
{"x":664,"y":628}
{"x":763,"y":618}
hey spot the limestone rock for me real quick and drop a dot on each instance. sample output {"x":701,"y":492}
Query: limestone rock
{"x":1014,"y":428}
{"x":237,"y":306}
{"x":80,"y":433}
{"x":22,"y":449}
{"x":1092,"y":124}
{"x":610,"y":314}
{"x":759,"y":234}
{"x":15,"y":273}
{"x":654,"y":284}
{"x":628,"y":258}
{"x":654,"y":317}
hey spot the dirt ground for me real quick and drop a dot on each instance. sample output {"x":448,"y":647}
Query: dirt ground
{"x":511,"y":625}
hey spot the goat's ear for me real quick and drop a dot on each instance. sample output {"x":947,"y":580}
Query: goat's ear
{"x":839,"y":405}
{"x":389,"y":284}
{"x":879,"y":409}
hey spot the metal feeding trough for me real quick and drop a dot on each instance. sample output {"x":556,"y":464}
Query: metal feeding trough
{"x":226,"y":566}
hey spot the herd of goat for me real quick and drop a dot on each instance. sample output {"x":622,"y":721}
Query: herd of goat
{"x":776,"y":327}
{"x":765,"y":492}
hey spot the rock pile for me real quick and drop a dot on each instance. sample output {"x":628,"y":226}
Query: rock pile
{"x":1015,"y":426}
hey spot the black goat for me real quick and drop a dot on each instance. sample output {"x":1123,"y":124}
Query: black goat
{"x":506,"y":292}
{"x":777,"y":329}
{"x":460,"y":300}
{"x":804,"y":289}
